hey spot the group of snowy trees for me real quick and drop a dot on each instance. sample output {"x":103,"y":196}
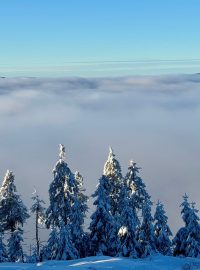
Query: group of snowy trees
{"x":121,"y":225}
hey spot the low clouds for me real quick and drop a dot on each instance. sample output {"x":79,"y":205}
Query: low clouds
{"x":151,"y":119}
{"x":19,"y":95}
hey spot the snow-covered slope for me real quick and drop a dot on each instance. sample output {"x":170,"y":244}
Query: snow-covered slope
{"x":102,"y":262}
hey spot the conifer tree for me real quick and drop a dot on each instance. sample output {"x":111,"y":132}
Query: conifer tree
{"x":64,"y":195}
{"x":61,"y":193}
{"x":13,"y":212}
{"x":38,"y":209}
{"x":13,"y":215}
{"x":180,"y":239}
{"x":112,"y":171}
{"x":162,"y":231}
{"x":140,"y":202}
{"x":103,"y":228}
{"x":187,"y":239}
{"x":193,"y":241}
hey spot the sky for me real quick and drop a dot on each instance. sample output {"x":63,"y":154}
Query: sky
{"x":99,"y":38}
{"x":93,"y":74}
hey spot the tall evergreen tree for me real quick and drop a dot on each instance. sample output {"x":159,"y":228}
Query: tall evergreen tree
{"x":112,"y":171}
{"x":13,"y":212}
{"x":140,"y":202}
{"x":39,"y":211}
{"x":180,"y":239}
{"x":13,"y":215}
{"x":193,"y":241}
{"x":103,"y":228}
{"x":61,"y":193}
{"x":162,"y":231}
{"x":64,"y":195}
{"x":187,"y":239}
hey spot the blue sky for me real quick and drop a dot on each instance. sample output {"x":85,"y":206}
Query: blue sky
{"x":91,"y":38}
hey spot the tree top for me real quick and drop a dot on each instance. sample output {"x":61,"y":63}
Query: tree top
{"x":62,"y":155}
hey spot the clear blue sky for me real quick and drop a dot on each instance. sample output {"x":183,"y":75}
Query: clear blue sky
{"x":75,"y":37}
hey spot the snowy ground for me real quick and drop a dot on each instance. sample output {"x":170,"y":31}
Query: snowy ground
{"x":97,"y":263}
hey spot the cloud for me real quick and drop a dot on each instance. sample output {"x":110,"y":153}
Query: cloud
{"x":19,"y":95}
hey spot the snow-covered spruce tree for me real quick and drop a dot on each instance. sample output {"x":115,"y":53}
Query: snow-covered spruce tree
{"x":13,"y":215}
{"x":15,"y":250}
{"x":180,"y":239}
{"x":61,"y":193}
{"x":3,"y":251}
{"x":103,"y":228}
{"x":146,"y":236}
{"x":187,"y":239}
{"x":129,"y":225}
{"x":79,"y":209}
{"x":39,"y":211}
{"x":193,"y":241}
{"x":140,"y":201}
{"x":13,"y":212}
{"x":112,"y":171}
{"x":162,"y":231}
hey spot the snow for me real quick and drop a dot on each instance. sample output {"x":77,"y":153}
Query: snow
{"x":102,"y":262}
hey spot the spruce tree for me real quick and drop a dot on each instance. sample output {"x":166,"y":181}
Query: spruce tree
{"x":67,"y":209}
{"x":140,"y":202}
{"x":112,"y":171}
{"x":162,"y":231}
{"x":193,"y":241}
{"x":61,"y":193}
{"x":39,"y":211}
{"x":13,"y":212}
{"x":103,"y":227}
{"x":187,"y":239}
{"x":180,"y":239}
{"x":13,"y":215}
